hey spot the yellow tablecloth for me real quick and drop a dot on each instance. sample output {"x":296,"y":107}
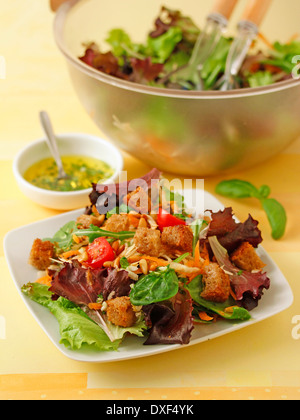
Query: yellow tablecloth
{"x":258,"y":362}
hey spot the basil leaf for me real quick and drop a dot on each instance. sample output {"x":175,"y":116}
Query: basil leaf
{"x":236,"y":188}
{"x":276,"y":215}
{"x":264,"y":191}
{"x":242,"y":189}
{"x":154,"y":287}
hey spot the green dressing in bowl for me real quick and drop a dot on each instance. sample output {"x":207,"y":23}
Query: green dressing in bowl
{"x":82,"y":170}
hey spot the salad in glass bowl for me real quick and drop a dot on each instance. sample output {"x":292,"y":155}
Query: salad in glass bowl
{"x":168,"y":48}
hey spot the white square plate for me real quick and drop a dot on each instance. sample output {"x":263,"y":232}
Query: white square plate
{"x":17,"y":246}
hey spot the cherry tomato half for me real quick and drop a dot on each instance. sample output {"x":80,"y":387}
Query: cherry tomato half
{"x":165,"y":219}
{"x":99,"y":251}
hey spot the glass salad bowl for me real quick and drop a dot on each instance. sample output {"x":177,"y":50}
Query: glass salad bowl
{"x":184,"y":132}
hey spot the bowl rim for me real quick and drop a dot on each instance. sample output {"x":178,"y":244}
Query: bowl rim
{"x":64,"y":136}
{"x":58,"y":26}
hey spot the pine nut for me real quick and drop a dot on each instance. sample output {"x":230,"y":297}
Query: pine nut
{"x":115,"y":245}
{"x":108,"y":264}
{"x":120,"y":249}
{"x":142,"y":223}
{"x":117,"y":262}
{"x":143,"y":266}
{"x":134,"y":258}
{"x":101,"y":219}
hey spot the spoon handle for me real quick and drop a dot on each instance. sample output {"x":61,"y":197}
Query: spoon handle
{"x":51,"y":141}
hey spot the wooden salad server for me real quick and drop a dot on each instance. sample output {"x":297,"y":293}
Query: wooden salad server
{"x":247,"y":28}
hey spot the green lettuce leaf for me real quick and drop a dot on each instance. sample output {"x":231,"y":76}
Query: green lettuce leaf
{"x":282,"y":55}
{"x":137,"y":329}
{"x":161,"y":48}
{"x":76,"y":328}
{"x":261,"y":78}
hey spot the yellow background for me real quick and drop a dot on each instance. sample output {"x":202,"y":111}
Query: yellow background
{"x":258,"y":362}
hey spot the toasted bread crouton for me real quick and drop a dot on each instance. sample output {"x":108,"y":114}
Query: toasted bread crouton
{"x":178,"y":238}
{"x":40,"y":254}
{"x":246,"y":258}
{"x":120,"y":312}
{"x":148,"y":241}
{"x":85,"y":221}
{"x":117,"y":223}
{"x":217,"y":283}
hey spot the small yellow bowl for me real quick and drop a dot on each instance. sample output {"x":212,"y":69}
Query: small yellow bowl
{"x":68,"y":144}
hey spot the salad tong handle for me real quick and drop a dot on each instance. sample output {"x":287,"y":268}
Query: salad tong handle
{"x":256,"y":10}
{"x":247,"y":32}
{"x":224,"y":8}
{"x":216,"y":23}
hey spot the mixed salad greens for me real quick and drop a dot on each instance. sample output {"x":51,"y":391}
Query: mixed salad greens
{"x":168,"y":48}
{"x":153,"y":274}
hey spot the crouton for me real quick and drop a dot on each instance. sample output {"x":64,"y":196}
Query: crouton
{"x":40,"y":254}
{"x":85,"y":221}
{"x":246,"y":258}
{"x":216,"y":284}
{"x":148,"y":241}
{"x":120,"y":312}
{"x":178,"y":238}
{"x":117,"y":223}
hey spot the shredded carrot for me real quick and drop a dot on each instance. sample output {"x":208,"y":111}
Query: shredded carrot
{"x":232,"y":294}
{"x":192,"y":263}
{"x":204,"y":253}
{"x":191,"y":277}
{"x":205,"y":317}
{"x":159,"y":261}
{"x":44,"y":280}
{"x":76,"y":239}
{"x":265,"y":40}
{"x":95,"y":211}
{"x":197,"y":255}
{"x":69,"y":254}
{"x":293,"y":38}
{"x":96,"y":306}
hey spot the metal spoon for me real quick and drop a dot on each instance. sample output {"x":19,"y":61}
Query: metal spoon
{"x":51,"y":141}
